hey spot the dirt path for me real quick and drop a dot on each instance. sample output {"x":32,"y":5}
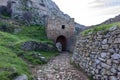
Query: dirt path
{"x":59,"y":69}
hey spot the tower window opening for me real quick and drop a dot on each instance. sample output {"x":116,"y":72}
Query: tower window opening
{"x":63,"y":26}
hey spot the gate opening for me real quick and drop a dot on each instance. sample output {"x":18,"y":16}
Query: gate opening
{"x":63,"y":42}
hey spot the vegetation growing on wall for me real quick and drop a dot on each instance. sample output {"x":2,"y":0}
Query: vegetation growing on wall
{"x":99,"y":28}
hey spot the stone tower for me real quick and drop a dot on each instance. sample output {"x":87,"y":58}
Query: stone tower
{"x":61,"y":30}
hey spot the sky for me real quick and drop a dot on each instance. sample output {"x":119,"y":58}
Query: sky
{"x":89,"y":12}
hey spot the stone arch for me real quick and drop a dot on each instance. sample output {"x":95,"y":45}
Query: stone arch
{"x":62,"y":39}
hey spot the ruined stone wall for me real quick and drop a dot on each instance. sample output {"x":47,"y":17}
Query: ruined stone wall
{"x":99,"y":54}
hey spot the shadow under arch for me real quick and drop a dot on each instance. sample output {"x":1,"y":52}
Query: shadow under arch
{"x":62,"y":39}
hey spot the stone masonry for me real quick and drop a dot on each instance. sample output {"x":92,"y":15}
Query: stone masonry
{"x":58,"y":26}
{"x":98,"y":54}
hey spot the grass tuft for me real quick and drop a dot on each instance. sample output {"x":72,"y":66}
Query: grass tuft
{"x":103,"y":27}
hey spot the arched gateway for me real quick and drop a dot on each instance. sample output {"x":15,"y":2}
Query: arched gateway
{"x":60,"y":30}
{"x":63,"y":42}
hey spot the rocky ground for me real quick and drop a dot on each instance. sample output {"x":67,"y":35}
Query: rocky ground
{"x":58,"y":68}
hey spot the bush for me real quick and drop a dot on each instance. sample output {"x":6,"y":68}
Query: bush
{"x":5,"y":28}
{"x":5,"y":11}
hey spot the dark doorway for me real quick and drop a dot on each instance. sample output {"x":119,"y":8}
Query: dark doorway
{"x":63,"y":41}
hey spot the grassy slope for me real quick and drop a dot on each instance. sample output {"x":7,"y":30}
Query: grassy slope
{"x":12,"y":65}
{"x":99,"y":28}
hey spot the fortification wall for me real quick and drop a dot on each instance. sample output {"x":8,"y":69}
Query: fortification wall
{"x":57,"y":26}
{"x":99,"y":54}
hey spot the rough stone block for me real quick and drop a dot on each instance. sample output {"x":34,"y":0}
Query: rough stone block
{"x":119,"y":68}
{"x":109,"y":61}
{"x":103,"y":71}
{"x":101,"y":59}
{"x":105,"y":46}
{"x":97,"y":61}
{"x":104,"y":41}
{"x":117,"y":40}
{"x":118,"y":75}
{"x":115,"y":56}
{"x":110,"y":40}
{"x":103,"y":55}
{"x":113,"y":78}
{"x":113,"y":70}
{"x":111,"y":50}
{"x":105,"y":66}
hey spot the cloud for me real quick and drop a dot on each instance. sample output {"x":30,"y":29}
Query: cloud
{"x":106,"y":7}
{"x":111,"y":11}
{"x":104,"y":3}
{"x":90,"y":12}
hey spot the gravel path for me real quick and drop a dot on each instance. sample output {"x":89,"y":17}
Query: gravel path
{"x":59,"y":69}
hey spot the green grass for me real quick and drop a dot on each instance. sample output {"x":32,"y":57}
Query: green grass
{"x":11,"y":64}
{"x":35,"y":33}
{"x":103,"y":27}
{"x":11,"y":55}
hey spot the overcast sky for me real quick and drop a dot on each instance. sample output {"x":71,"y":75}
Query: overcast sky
{"x":90,"y":12}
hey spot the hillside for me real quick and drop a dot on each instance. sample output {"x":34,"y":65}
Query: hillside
{"x":14,"y":57}
{"x":34,"y":12}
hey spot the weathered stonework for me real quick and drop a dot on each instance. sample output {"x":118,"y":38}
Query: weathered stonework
{"x":98,"y":54}
{"x":59,"y":27}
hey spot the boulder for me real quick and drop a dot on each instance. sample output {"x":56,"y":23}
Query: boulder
{"x":59,"y":46}
{"x":21,"y":77}
{"x":43,"y":59}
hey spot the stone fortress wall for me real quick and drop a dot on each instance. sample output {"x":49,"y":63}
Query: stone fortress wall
{"x":99,"y":54}
{"x":57,"y":26}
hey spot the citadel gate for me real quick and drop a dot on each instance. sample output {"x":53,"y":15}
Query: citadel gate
{"x":61,"y":30}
